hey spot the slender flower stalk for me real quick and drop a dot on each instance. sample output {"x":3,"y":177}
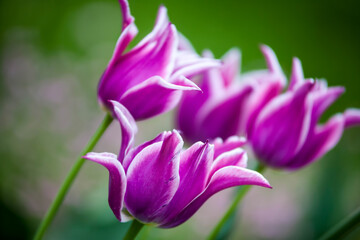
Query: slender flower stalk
{"x":260,"y":168}
{"x":134,"y":230}
{"x":343,"y":228}
{"x":70,"y":178}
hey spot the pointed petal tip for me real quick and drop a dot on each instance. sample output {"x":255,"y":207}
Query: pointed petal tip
{"x":271,"y":59}
{"x":207,"y":53}
{"x":126,"y":14}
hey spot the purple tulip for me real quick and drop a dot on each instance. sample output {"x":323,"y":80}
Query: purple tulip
{"x":149,"y":78}
{"x":286,"y":133}
{"x":159,"y":182}
{"x":229,"y":103}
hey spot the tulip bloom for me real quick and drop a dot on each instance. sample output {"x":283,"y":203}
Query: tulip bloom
{"x":286,"y":133}
{"x":149,"y":79}
{"x":158,"y":182}
{"x":229,"y":103}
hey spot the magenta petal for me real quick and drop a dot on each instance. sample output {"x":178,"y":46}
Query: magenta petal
{"x":231,"y":143}
{"x":264,"y":92}
{"x":224,"y":178}
{"x":194,"y":169}
{"x":189,"y":64}
{"x":289,"y":118}
{"x":134,"y":151}
{"x":156,"y":57}
{"x":297,"y":74}
{"x":323,"y":99}
{"x":155,"y":96}
{"x":161,"y":23}
{"x":352,"y":117}
{"x":224,"y":118}
{"x":153,"y":178}
{"x":128,"y":128}
{"x":117,"y":179}
{"x":271,"y":59}
{"x":230,"y":68}
{"x":320,"y":142}
{"x":126,"y":15}
{"x":236,"y":157}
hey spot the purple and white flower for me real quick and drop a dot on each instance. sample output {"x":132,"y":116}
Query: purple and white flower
{"x":229,"y":103}
{"x":161,"y":183}
{"x":150,"y":78}
{"x":286,"y":133}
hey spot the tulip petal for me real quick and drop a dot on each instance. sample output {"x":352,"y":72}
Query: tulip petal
{"x":117,"y":180}
{"x":195,"y":165}
{"x":324,"y":99}
{"x":231,"y":143}
{"x":155,"y":96}
{"x":265,"y":90}
{"x":352,"y":117}
{"x":128,"y":128}
{"x":134,"y":151}
{"x":161,"y":23}
{"x":292,"y":112}
{"x":236,"y":157}
{"x":271,"y":59}
{"x":189,"y":64}
{"x":322,"y":140}
{"x":155,"y":58}
{"x":224,"y":178}
{"x":297,"y":74}
{"x":231,"y":66}
{"x":267,"y":84}
{"x":153,"y":178}
{"x":223,"y":118}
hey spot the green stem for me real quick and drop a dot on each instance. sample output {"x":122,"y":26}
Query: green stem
{"x":240,"y":195}
{"x":134,"y":229}
{"x":344,"y":227}
{"x":50,"y":214}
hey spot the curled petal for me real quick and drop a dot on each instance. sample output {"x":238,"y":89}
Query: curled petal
{"x":324,"y":99}
{"x":155,"y":96}
{"x":127,"y":18}
{"x":224,"y":178}
{"x":189,"y":64}
{"x":236,"y":157}
{"x":128,"y":128}
{"x":320,"y":142}
{"x":117,"y":180}
{"x":231,"y":143}
{"x":352,"y":117}
{"x":153,"y":178}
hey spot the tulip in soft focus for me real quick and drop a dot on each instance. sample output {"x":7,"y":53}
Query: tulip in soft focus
{"x":286,"y":133}
{"x":161,"y":183}
{"x":229,"y":103}
{"x":149,"y":78}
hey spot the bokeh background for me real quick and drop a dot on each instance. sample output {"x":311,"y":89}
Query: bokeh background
{"x":52,"y":54}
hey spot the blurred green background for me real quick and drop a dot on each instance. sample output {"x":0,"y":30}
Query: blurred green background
{"x":52,"y":54}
